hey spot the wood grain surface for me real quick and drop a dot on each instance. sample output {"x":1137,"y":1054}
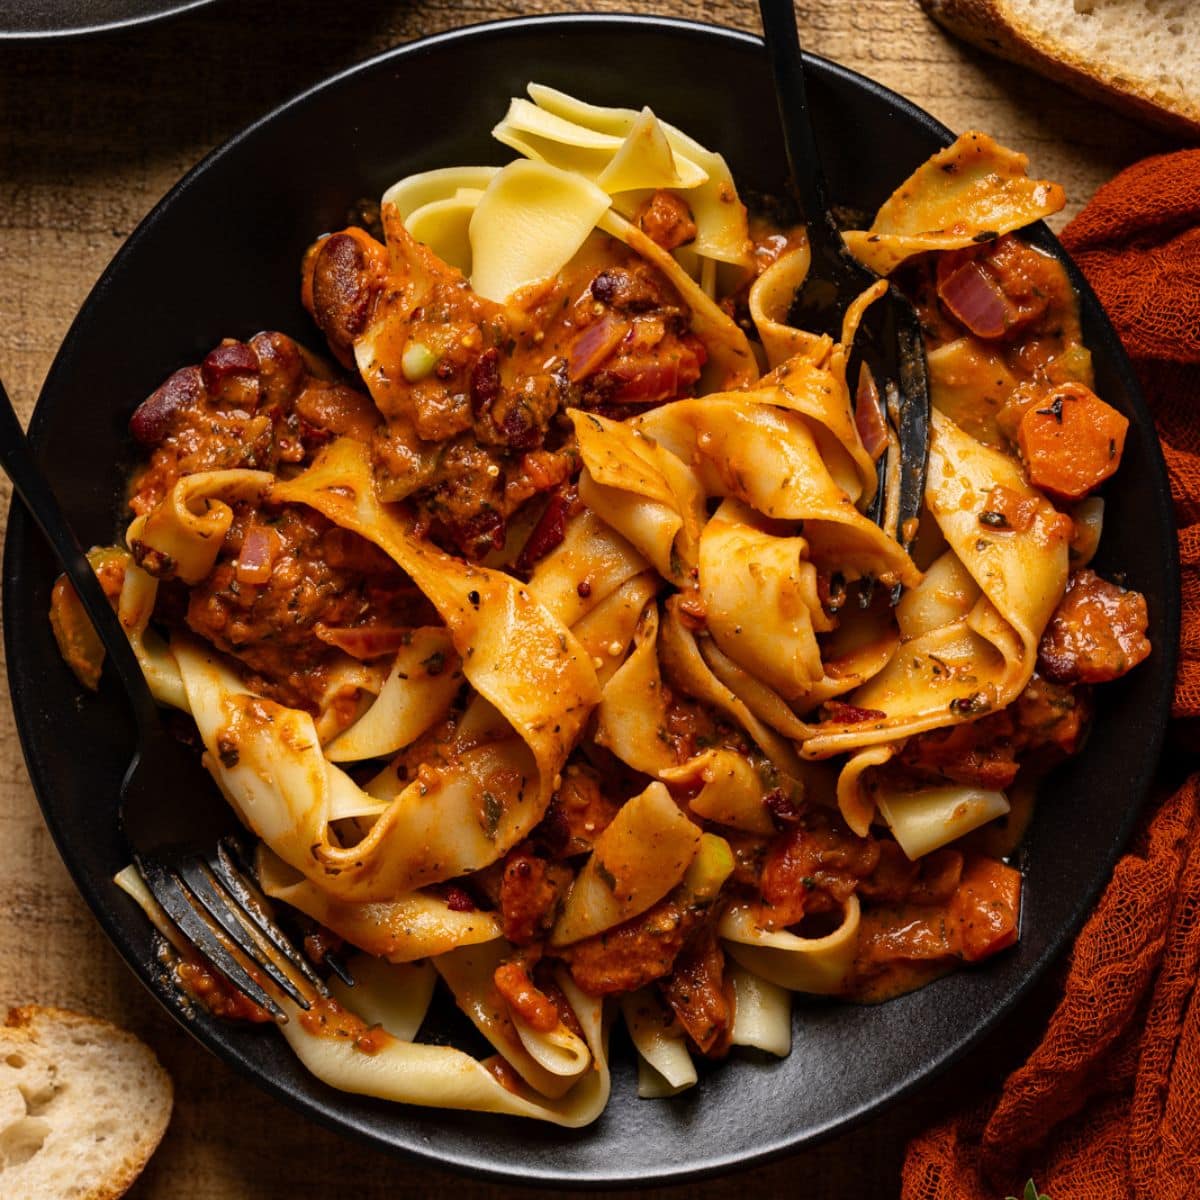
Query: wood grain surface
{"x":92,"y":133}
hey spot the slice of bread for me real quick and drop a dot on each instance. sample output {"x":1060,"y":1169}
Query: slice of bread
{"x":1141,"y":55}
{"x":83,"y":1105}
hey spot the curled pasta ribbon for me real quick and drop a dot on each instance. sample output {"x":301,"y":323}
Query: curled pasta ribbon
{"x":416,"y":695}
{"x":808,"y":371}
{"x":969,"y":634}
{"x":458,"y":817}
{"x":681,"y":655}
{"x":973,"y":187}
{"x":731,"y":789}
{"x":548,"y":1061}
{"x":641,"y":158}
{"x":528,"y":224}
{"x":394,"y":1067}
{"x":762,"y":1013}
{"x":437,"y":206}
{"x":740,"y":446}
{"x":632,"y":716}
{"x":415,"y":926}
{"x":410,"y":1072}
{"x":856,"y":805}
{"x":186,"y":528}
{"x":665,"y":1066}
{"x":632,"y":709}
{"x":646,"y":494}
{"x":760,"y":595}
{"x":636,"y":860}
{"x":820,"y":965}
{"x":929,"y":818}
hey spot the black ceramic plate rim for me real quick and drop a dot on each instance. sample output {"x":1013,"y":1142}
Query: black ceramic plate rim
{"x":328,"y":1113}
{"x":70,"y":28}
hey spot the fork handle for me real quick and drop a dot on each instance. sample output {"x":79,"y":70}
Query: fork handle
{"x":795,"y":116}
{"x":31,"y":485}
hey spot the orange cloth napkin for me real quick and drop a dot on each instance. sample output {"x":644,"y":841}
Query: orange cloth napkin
{"x":1108,"y":1104}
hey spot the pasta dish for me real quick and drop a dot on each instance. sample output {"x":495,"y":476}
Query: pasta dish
{"x":557,"y":637}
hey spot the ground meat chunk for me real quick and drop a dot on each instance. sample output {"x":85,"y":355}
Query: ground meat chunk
{"x":253,"y":404}
{"x":272,"y":626}
{"x":667,"y":220}
{"x":530,"y":891}
{"x":812,"y":870}
{"x":1052,"y":715}
{"x":695,"y":990}
{"x":525,"y":999}
{"x":978,"y":754}
{"x":636,"y":953}
{"x":579,"y":813}
{"x":1097,"y":633}
{"x":896,"y":878}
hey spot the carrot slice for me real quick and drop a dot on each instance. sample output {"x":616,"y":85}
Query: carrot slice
{"x":1073,"y":442}
{"x":986,"y":907}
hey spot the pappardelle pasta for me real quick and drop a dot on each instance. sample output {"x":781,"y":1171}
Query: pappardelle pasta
{"x":558,"y":646}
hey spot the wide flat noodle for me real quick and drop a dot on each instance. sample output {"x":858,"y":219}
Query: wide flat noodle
{"x":760,"y":595}
{"x":186,"y":528}
{"x":417,"y":693}
{"x":768,"y":458}
{"x":971,"y":643}
{"x":443,"y":1077}
{"x":722,"y":231}
{"x":819,"y":965}
{"x":972,"y":189}
{"x":643,"y":492}
{"x":665,"y":1066}
{"x":528,"y":225}
{"x":457,"y":817}
{"x":637,"y":859}
{"x":406,"y":929}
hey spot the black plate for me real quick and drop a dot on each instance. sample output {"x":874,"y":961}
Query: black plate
{"x":219,"y":257}
{"x":70,"y":18}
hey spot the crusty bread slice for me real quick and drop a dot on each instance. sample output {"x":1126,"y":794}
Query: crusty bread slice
{"x":1142,"y":55}
{"x":83,"y":1105}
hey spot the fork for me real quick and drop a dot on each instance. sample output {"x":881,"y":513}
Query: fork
{"x":170,"y":811}
{"x":889,"y":339}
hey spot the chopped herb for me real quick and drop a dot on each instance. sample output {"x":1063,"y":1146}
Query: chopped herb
{"x":970,"y":706}
{"x":1055,"y":409}
{"x":994,"y":520}
{"x":606,"y":876}
{"x":809,"y":882}
{"x":493,"y":810}
{"x":435,"y":664}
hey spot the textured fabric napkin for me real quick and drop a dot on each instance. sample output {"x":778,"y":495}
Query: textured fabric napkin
{"x":1108,"y":1104}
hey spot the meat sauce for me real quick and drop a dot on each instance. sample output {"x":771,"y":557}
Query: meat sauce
{"x":465,"y":425}
{"x":486,"y":385}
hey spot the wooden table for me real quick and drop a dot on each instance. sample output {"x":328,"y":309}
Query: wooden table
{"x":91,"y":135}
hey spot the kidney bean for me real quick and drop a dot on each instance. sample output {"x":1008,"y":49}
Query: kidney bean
{"x":230,"y":372}
{"x":151,"y":421}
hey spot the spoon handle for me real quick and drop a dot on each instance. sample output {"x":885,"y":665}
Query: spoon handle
{"x":34,"y":489}
{"x":795,"y":117}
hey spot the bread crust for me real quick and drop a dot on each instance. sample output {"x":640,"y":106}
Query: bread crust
{"x":989,"y":25}
{"x":21,"y":1029}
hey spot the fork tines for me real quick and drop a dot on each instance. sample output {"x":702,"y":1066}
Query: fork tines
{"x":220,"y":910}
